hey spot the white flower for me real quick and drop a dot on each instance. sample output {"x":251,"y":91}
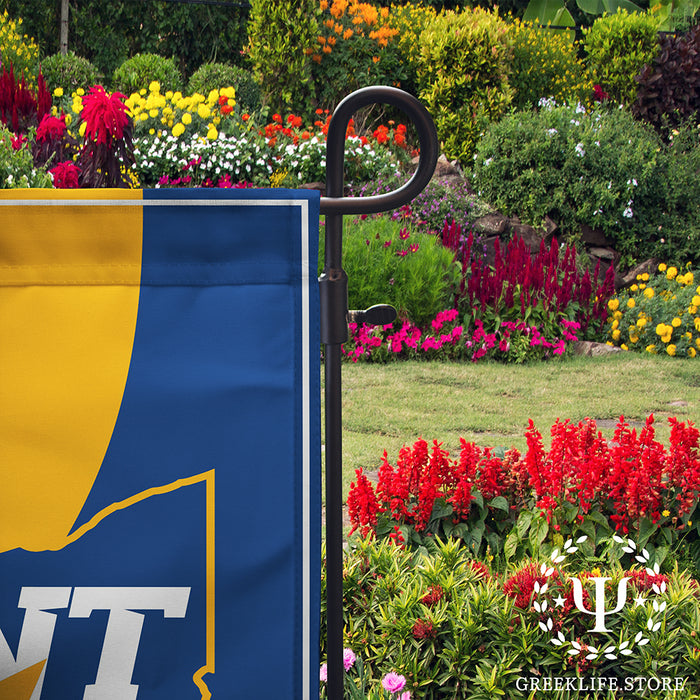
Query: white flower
{"x":579,"y":150}
{"x":488,"y":162}
{"x":551,"y":132}
{"x":628,"y":213}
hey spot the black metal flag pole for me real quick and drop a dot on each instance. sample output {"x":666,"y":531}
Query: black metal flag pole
{"x":333,"y":285}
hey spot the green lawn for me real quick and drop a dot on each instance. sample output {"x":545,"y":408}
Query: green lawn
{"x":387,"y":406}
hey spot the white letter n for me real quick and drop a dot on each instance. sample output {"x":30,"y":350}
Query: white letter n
{"x":37,"y":632}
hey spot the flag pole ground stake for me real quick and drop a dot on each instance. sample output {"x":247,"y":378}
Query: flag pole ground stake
{"x":333,"y":285}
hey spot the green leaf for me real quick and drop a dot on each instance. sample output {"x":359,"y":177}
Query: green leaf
{"x":612,"y":6}
{"x":511,"y":544}
{"x":523,"y":524}
{"x":538,"y":533}
{"x":591,"y":7}
{"x":500,"y":503}
{"x":646,"y":529}
{"x":543,"y":11}
{"x":441,"y":509}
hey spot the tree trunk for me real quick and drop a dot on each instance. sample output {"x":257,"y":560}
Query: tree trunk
{"x":64,"y":27}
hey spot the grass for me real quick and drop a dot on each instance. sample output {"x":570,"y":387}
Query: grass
{"x":387,"y":406}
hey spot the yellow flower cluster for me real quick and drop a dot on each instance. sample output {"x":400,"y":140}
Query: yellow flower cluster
{"x":658,"y":314}
{"x":546,"y":63}
{"x":18,"y":49}
{"x":410,"y":20}
{"x":154,"y":112}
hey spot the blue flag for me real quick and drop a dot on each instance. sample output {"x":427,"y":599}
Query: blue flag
{"x":159,"y":445}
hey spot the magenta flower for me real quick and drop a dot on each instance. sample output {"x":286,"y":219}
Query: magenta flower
{"x":65,"y":175}
{"x":393,"y":682}
{"x":51,"y":128}
{"x":105,"y":115}
{"x":348,"y":659}
{"x":323,"y":673}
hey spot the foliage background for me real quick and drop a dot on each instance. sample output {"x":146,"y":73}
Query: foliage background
{"x":107,"y":33}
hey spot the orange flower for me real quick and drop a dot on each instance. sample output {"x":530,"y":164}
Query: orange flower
{"x":347,"y":33}
{"x":338,"y":8}
{"x":316,"y":58}
{"x":327,"y":49}
{"x":332,"y":40}
{"x":323,"y":5}
{"x":245,"y":117}
{"x":321,"y":40}
{"x":375,"y":59}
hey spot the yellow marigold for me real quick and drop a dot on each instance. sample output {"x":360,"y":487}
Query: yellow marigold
{"x":634,"y":338}
{"x":613,"y":304}
{"x":615,"y":324}
{"x":671,"y":273}
{"x":630,"y":303}
{"x":665,"y":513}
{"x":186,"y":118}
{"x":696,"y":323}
{"x":213,"y":97}
{"x":649,"y":292}
{"x":154,"y":86}
{"x":634,"y":288}
{"x":645,"y":277}
{"x":642,"y":285}
{"x":203,"y":111}
{"x":178,"y":129}
{"x":671,"y":350}
{"x":692,"y":309}
{"x":662,"y":267}
{"x":616,"y":335}
{"x":641,"y":322}
{"x":212,"y":133}
{"x":58,"y":92}
{"x":624,"y":347}
{"x":695,"y":301}
{"x":676,"y":322}
{"x":661,"y":329}
{"x":617,"y":315}
{"x":651,"y":349}
{"x":691,"y":352}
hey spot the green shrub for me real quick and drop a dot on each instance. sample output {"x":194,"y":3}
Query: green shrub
{"x":138,"y":72}
{"x":456,"y":631}
{"x":463,"y":70}
{"x":546,"y":64}
{"x":598,"y":169}
{"x":281,"y":37}
{"x":17,"y":167}
{"x":617,"y":48}
{"x":388,"y":263}
{"x":669,"y":87}
{"x":214,"y":76}
{"x":356,"y":47}
{"x":18,"y":50}
{"x":410,"y":20}
{"x":69,"y":72}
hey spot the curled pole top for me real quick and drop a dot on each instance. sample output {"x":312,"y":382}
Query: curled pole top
{"x":334,"y":202}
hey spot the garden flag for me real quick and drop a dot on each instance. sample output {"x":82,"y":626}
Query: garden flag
{"x":159,"y":445}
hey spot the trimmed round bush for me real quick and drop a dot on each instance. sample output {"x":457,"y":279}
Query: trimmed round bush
{"x":69,"y":72}
{"x":214,"y":76}
{"x":137,"y":73}
{"x":617,"y":48}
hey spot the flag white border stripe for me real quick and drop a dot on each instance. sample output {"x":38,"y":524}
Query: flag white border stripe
{"x":306,"y":367}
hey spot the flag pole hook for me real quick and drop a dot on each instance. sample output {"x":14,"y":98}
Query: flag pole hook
{"x":333,"y":285}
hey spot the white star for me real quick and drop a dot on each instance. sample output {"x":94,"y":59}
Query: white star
{"x":559,"y":601}
{"x":639,"y":601}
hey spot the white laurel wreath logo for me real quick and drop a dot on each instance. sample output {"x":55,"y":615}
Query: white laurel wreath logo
{"x":625,"y":648}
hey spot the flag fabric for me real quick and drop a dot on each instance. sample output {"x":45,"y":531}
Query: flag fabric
{"x":159,"y":445}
